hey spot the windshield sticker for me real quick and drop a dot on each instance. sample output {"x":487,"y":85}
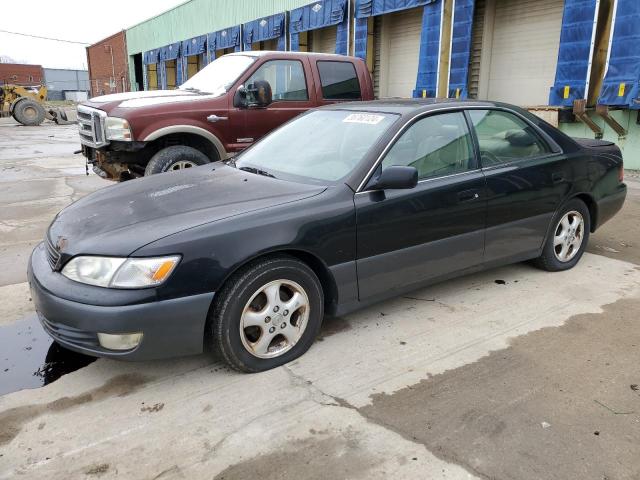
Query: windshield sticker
{"x":366,"y":118}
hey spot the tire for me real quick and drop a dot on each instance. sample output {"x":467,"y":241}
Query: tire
{"x":245,"y":292}
{"x":173,"y":158}
{"x":29,"y":113}
{"x":552,"y":258}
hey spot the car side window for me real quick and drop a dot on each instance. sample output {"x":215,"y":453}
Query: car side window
{"x":286,"y":78}
{"x":436,"y":146}
{"x":339,"y":81}
{"x":504,"y":137}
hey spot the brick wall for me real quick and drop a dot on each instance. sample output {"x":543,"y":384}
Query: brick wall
{"x":102,"y":66}
{"x":21,"y":74}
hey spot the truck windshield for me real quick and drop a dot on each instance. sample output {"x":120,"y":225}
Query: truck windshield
{"x":217,"y":77}
{"x":322,"y":146}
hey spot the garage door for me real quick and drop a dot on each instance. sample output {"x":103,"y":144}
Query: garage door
{"x":399,"y":44}
{"x":323,"y":40}
{"x":524,"y":54}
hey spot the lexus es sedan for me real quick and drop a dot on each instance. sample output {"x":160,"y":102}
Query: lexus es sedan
{"x":341,"y":207}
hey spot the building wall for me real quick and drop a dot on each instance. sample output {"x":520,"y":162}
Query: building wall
{"x":20,"y":74}
{"x":59,"y":80}
{"x":630,"y":145}
{"x":109,"y":74}
{"x":198,"y":17}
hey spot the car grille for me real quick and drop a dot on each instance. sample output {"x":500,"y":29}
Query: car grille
{"x":66,"y":334}
{"x":53,"y":255}
{"x":91,"y":126}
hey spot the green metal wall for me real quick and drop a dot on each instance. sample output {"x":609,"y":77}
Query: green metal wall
{"x":198,"y":17}
{"x":630,"y":145}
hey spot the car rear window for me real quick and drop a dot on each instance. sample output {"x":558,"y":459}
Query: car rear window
{"x":339,"y":81}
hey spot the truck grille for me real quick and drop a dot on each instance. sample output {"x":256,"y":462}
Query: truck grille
{"x":53,"y":255}
{"x":91,"y":126}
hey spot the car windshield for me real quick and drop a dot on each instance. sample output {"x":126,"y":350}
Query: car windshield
{"x":217,"y":77}
{"x":322,"y":146}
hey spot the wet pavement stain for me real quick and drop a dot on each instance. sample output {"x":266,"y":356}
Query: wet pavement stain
{"x":11,"y":420}
{"x":29,"y":358}
{"x":558,"y":403}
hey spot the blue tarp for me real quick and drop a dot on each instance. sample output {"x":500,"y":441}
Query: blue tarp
{"x":369,"y":8}
{"x":361,"y":35}
{"x":428,"y":63}
{"x":227,"y":38}
{"x":151,"y":56}
{"x":170,"y":52}
{"x":621,"y":86}
{"x":461,"y":48}
{"x":194,"y":46}
{"x":574,"y":54}
{"x":324,"y":13}
{"x":262,"y":29}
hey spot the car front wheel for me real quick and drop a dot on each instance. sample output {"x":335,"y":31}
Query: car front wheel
{"x":567,"y":239}
{"x":268,"y":314}
{"x":176,"y":157}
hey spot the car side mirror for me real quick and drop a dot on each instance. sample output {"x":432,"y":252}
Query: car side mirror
{"x":395,"y":177}
{"x":259,"y":94}
{"x":240,"y":97}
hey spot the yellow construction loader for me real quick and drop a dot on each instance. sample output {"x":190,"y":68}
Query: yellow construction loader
{"x":26,"y":105}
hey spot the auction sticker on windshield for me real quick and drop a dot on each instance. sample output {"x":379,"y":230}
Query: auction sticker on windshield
{"x":367,"y":118}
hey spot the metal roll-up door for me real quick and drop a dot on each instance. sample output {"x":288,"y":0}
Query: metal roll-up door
{"x":524,"y":54}
{"x":476,"y":47}
{"x":399,"y":52}
{"x":323,"y":40}
{"x":377,"y":56}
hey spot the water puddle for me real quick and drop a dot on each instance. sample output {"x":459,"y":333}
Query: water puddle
{"x":29,"y":358}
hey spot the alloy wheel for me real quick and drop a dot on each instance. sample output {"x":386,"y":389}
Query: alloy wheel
{"x":274,"y":319}
{"x":568,"y":236}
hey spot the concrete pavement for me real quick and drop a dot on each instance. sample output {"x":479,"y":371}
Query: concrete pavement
{"x":503,"y":374}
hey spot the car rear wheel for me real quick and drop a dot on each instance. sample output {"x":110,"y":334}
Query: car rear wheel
{"x":567,"y":239}
{"x":268,"y":314}
{"x":176,"y":157}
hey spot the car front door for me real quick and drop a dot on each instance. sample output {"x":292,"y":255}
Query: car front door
{"x":291,"y":93}
{"x":527,"y":179}
{"x":409,"y":237}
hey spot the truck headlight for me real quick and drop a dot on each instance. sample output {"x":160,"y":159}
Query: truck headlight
{"x":114,"y":272}
{"x":118,"y":129}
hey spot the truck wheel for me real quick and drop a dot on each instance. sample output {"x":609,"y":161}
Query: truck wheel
{"x":29,"y":113}
{"x":177,"y":157}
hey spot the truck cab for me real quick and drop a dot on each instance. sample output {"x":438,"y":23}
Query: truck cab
{"x":222,"y":110}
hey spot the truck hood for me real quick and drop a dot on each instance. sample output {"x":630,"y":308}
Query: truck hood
{"x":120,"y":219}
{"x":146,"y":99}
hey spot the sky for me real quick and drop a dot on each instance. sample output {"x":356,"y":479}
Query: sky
{"x":77,"y":20}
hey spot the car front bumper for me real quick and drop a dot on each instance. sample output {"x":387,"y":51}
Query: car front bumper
{"x":169,"y":328}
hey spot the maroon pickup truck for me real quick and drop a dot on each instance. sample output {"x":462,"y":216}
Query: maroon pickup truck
{"x":217,"y":113}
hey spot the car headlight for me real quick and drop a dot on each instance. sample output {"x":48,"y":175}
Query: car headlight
{"x":118,"y":129}
{"x":114,"y":272}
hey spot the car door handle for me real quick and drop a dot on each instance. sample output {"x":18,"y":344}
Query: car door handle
{"x":215,"y":118}
{"x":468,"y":196}
{"x":557,"y":177}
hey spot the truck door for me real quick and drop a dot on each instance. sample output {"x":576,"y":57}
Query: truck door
{"x":291,"y":93}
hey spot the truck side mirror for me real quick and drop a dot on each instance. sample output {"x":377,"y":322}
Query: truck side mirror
{"x":259,"y":94}
{"x":240,"y":98}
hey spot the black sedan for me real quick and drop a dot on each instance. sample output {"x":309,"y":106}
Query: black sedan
{"x":342,"y":207}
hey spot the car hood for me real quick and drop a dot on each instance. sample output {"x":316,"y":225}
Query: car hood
{"x":150,"y":98}
{"x":120,"y":219}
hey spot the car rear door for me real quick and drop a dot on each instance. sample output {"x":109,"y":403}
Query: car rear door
{"x":292,"y":93}
{"x":408,"y":237}
{"x":527,"y":179}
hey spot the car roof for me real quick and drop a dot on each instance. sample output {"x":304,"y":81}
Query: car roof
{"x":403,"y":106}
